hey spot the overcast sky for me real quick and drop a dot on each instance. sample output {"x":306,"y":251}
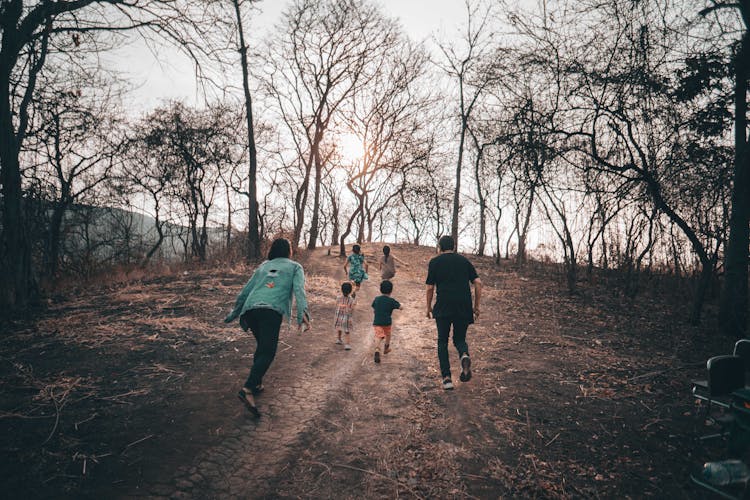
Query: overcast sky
{"x":170,"y":75}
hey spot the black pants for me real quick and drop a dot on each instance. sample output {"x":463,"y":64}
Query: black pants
{"x":459,"y":341}
{"x":265,"y":325}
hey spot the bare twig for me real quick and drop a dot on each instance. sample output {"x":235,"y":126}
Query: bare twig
{"x":552,"y":440}
{"x":287,"y":346}
{"x":57,"y":418}
{"x":86,"y":420}
{"x":138,"y":441}
{"x":666,"y":370}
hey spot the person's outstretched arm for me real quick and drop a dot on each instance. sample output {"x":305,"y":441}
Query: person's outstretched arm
{"x":298,"y":286}
{"x":241,"y":298}
{"x":477,"y":296}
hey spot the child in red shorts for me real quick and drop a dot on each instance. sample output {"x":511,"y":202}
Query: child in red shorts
{"x":383,"y":306}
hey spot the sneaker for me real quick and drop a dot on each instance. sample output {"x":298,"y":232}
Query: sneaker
{"x":447,"y":384}
{"x":387,"y":349}
{"x":465,"y":368}
{"x":347,"y":347}
{"x":249,"y":403}
{"x":338,"y":342}
{"x":377,"y":356}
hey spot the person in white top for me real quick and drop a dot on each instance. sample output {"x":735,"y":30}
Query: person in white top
{"x":387,"y":263}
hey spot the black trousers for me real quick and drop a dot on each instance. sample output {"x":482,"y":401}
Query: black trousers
{"x":265,"y":325}
{"x":459,"y":341}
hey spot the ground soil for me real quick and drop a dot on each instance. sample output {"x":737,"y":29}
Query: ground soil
{"x":129,"y":390}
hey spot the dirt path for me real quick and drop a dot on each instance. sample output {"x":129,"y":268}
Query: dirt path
{"x":130,"y":392}
{"x":320,"y":397}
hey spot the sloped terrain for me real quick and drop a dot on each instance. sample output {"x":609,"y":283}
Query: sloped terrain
{"x":129,"y":390}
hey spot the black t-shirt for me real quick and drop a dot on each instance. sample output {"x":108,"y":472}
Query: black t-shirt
{"x":383,"y":306}
{"x":451,"y":274}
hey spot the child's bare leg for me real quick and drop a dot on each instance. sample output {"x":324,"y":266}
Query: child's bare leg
{"x":387,"y":347}
{"x":377,"y":349}
{"x":346,"y":341}
{"x":338,"y":341}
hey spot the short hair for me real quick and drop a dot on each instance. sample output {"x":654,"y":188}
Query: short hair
{"x":446,"y":243}
{"x":386,"y":251}
{"x":356,"y":248}
{"x":346,"y":288}
{"x":280,"y":248}
{"x":386,"y":286}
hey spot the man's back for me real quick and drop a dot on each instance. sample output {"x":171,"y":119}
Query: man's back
{"x":451,"y":274}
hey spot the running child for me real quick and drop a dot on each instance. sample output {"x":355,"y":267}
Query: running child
{"x":383,"y":306}
{"x":344,"y":306}
{"x":356,"y":267}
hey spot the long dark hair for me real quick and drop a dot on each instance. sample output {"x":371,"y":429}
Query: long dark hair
{"x":280,"y":248}
{"x":387,"y":252}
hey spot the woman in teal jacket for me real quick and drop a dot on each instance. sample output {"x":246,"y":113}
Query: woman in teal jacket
{"x":260,"y":306}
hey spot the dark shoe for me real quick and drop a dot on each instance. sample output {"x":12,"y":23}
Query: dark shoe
{"x":250,"y":406}
{"x":465,"y":368}
{"x":377,"y":356}
{"x":447,"y":384}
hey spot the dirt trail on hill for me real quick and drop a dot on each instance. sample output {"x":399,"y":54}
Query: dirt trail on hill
{"x":130,"y":392}
{"x":352,"y":412}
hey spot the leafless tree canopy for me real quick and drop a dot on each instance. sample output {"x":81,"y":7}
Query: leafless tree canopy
{"x":604,"y":136}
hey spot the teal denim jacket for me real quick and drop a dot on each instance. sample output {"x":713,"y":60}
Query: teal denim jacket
{"x":271,"y":287}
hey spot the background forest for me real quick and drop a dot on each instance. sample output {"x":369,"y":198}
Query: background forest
{"x":599,"y":135}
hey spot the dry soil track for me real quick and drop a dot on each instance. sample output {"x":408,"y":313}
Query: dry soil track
{"x":130,"y":389}
{"x":310,"y":375}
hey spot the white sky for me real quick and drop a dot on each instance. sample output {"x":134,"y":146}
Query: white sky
{"x":171,"y":75}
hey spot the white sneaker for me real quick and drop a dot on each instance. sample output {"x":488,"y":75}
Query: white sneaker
{"x":338,"y":342}
{"x":347,"y":347}
{"x":447,"y":384}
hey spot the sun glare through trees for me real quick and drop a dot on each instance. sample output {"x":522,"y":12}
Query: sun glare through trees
{"x":352,"y":148}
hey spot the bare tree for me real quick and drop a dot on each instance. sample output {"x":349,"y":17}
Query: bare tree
{"x":73,"y":146}
{"x":471,"y":66}
{"x":253,"y":235}
{"x":387,"y":115}
{"x":31,"y":31}
{"x":733,"y":307}
{"x":317,"y":59}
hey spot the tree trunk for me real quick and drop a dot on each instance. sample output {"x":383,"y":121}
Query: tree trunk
{"x":18,"y":285}
{"x":482,"y":202}
{"x":456,"y":193}
{"x":229,"y":220}
{"x":523,"y":231}
{"x":704,"y":281}
{"x":734,"y":297}
{"x":315,"y":221}
{"x":253,"y":236}
{"x":53,"y":240}
{"x":348,"y":230}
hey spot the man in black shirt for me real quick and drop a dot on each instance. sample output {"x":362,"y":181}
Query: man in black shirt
{"x":451,"y":273}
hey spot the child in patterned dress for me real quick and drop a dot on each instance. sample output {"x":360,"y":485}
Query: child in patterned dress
{"x":356,"y":267}
{"x":344,"y":306}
